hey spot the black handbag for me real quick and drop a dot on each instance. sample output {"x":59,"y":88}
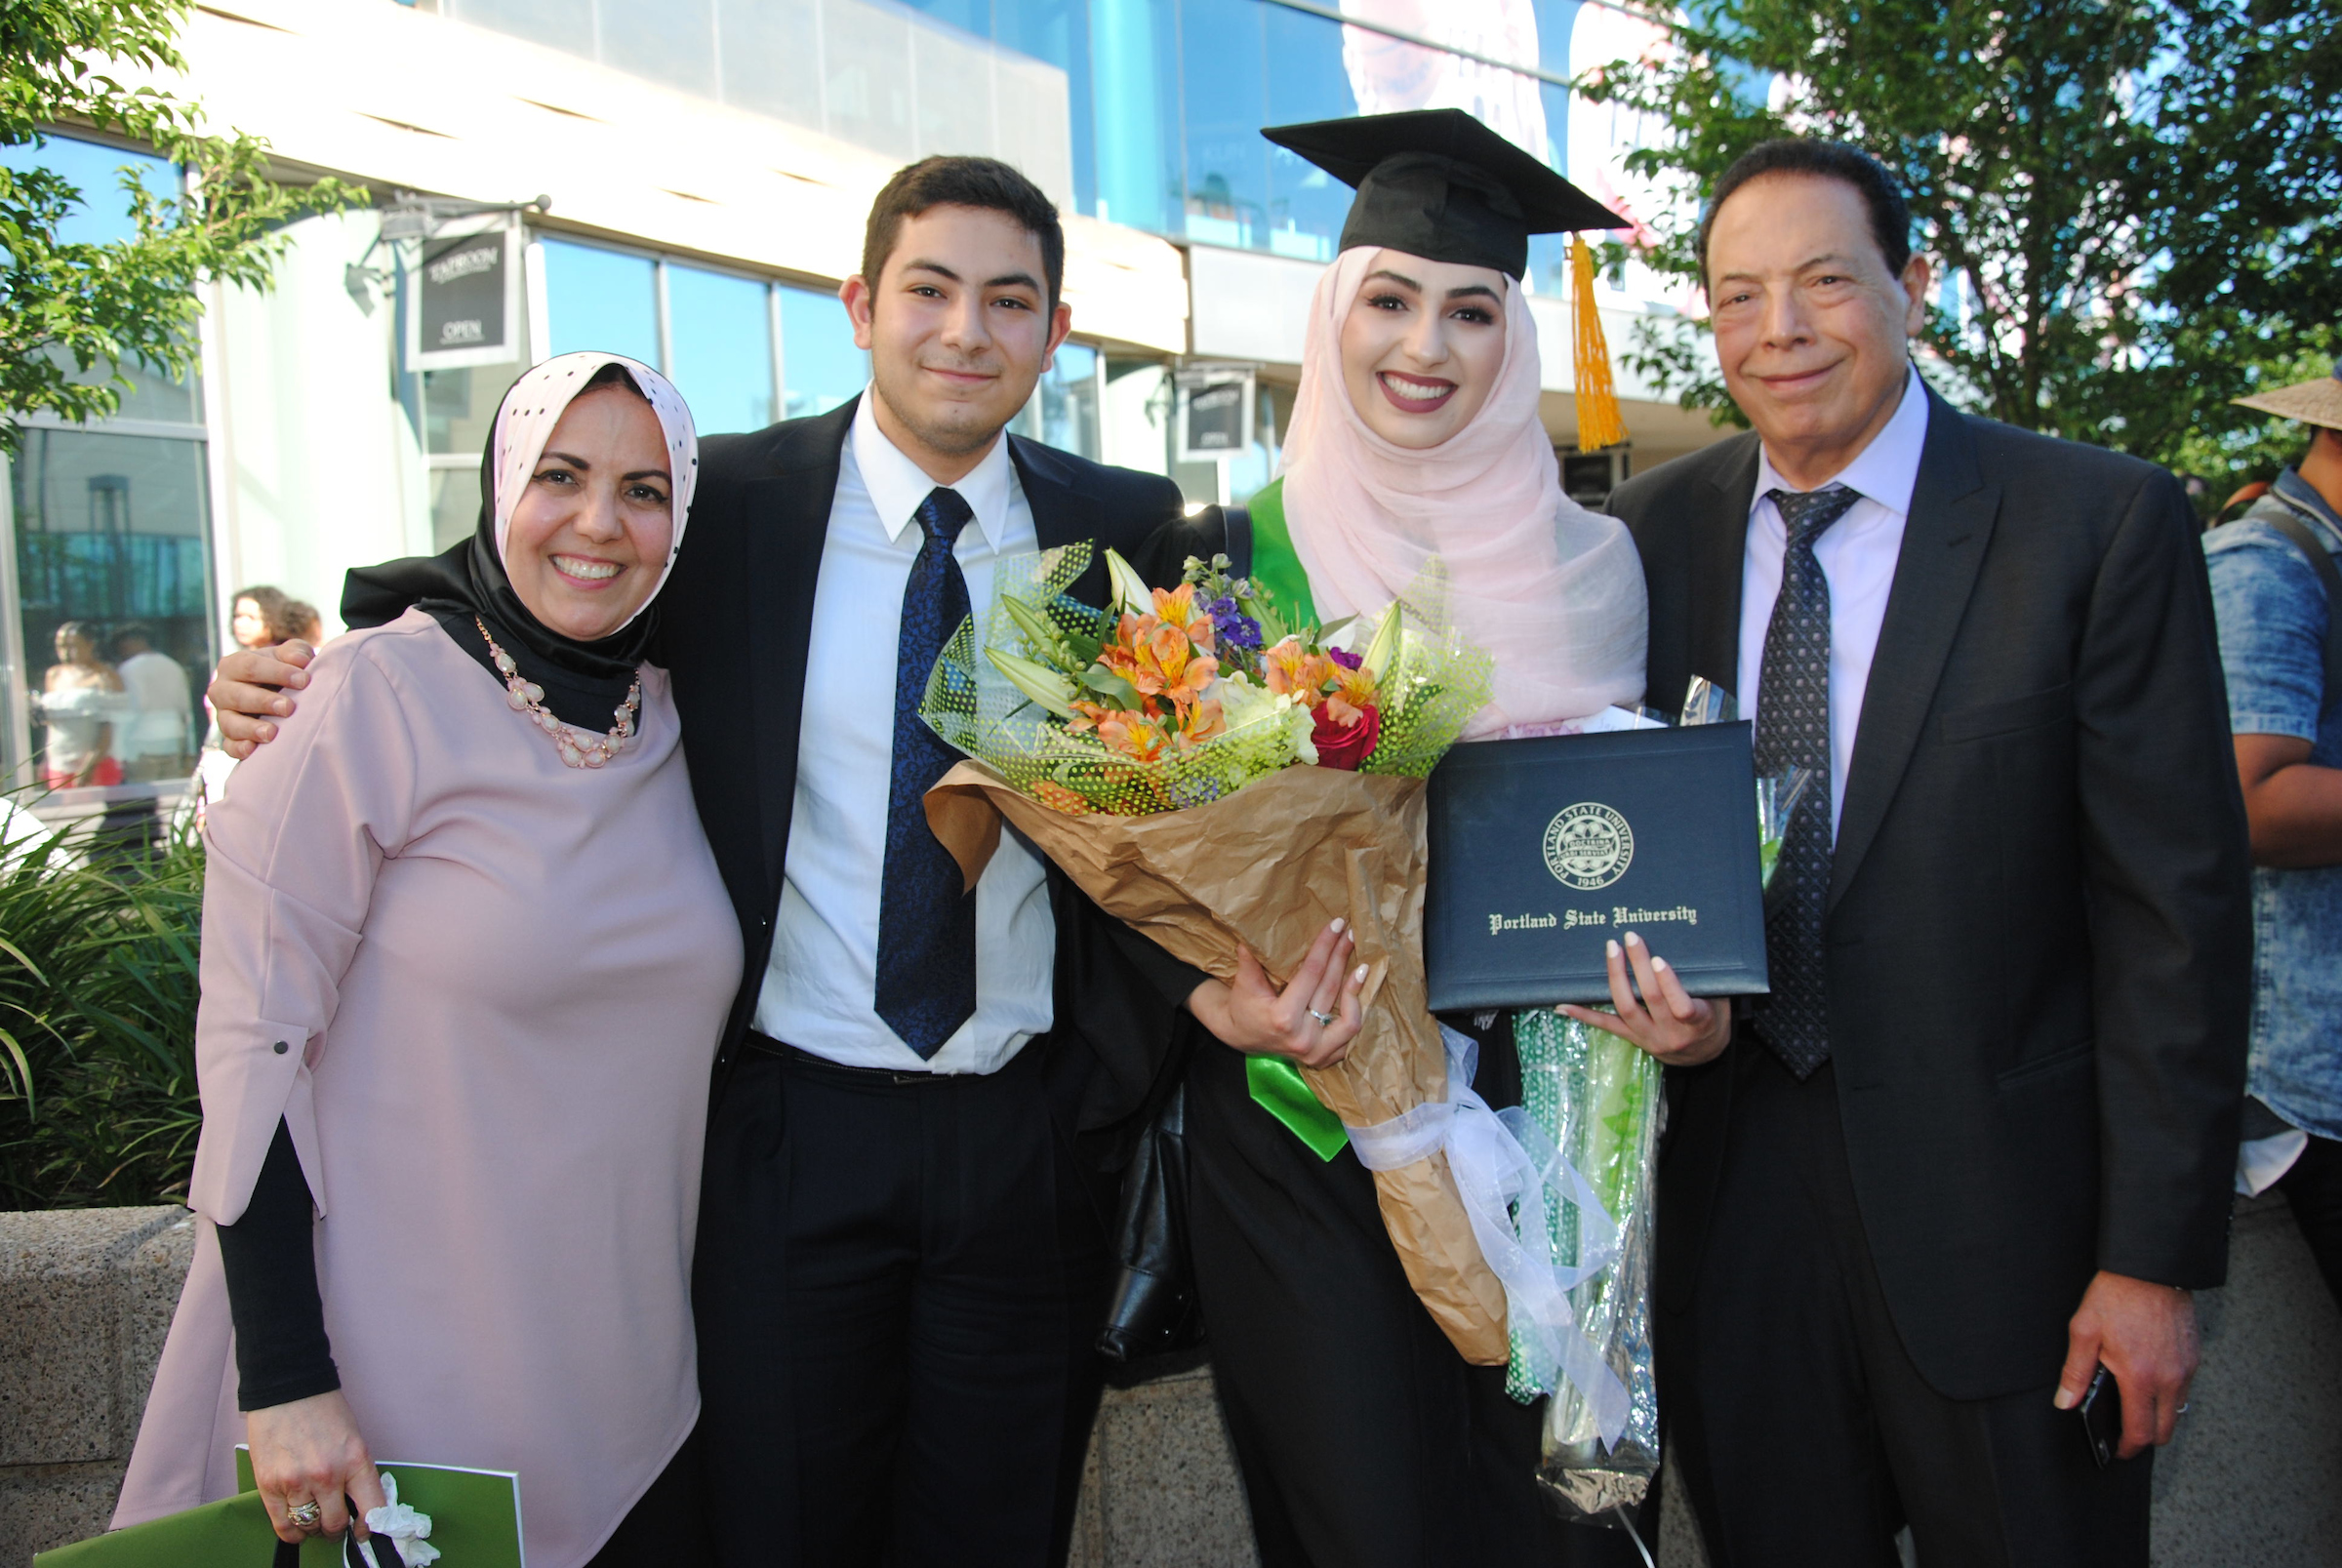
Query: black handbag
{"x":1154,"y":1310}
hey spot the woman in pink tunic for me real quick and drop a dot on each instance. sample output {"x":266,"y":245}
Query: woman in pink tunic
{"x":465,"y":958}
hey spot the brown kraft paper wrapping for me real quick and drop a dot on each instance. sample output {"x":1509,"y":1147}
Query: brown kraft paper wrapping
{"x":1268,"y":867}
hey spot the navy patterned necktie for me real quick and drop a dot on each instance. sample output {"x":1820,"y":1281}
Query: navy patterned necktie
{"x":926,"y":985}
{"x":1792,"y":730}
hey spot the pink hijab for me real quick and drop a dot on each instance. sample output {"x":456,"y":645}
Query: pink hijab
{"x":1553,"y":590}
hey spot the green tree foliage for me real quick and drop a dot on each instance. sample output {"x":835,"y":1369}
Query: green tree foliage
{"x":2134,"y":200}
{"x":72,"y":314}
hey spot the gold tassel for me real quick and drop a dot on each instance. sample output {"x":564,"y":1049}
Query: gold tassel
{"x":1599,"y":422}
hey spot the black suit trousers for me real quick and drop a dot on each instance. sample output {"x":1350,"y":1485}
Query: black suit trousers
{"x":898,"y":1285}
{"x":1804,"y":1434}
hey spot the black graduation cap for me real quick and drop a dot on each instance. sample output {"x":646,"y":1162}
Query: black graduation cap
{"x":1438,"y":184}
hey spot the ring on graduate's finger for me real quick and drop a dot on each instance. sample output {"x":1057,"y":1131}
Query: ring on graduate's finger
{"x":2183,"y":1407}
{"x":1325,"y":1019}
{"x":302,"y":1515}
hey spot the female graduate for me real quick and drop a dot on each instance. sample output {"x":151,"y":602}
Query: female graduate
{"x":1364,"y":1440}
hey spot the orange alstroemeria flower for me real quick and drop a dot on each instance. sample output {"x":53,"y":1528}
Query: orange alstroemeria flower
{"x":1289,"y":669}
{"x":1135,"y":734}
{"x":1354,"y":693}
{"x":1179,"y":608}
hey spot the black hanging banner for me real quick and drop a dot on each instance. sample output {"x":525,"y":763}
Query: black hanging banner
{"x":466,"y":305}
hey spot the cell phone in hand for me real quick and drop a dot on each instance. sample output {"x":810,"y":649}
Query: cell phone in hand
{"x":2101,"y":1413}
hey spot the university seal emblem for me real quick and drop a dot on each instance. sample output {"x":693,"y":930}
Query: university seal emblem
{"x":1589,"y":846}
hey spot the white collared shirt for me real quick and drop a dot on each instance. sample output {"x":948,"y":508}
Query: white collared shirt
{"x":1857,"y":554}
{"x":819,"y":986}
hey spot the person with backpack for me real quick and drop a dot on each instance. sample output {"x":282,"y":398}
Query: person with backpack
{"x":2277,"y":596}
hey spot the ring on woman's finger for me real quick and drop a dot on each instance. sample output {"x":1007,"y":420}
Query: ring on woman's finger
{"x":302,"y":1515}
{"x":1324,"y":1020}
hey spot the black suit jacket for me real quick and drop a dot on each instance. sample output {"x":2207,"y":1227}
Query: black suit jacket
{"x":734,"y":622}
{"x":2038,"y":929}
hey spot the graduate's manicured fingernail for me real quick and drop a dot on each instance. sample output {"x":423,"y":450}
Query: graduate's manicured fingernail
{"x":1611,"y":948}
{"x":2066,"y":1398}
{"x":1634,"y":941}
{"x":1336,"y":927}
{"x":1357,"y":975}
{"x":1658,"y":963}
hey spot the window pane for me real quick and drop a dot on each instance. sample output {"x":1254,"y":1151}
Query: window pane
{"x":103,"y":215}
{"x":670,"y":41}
{"x":817,"y":355}
{"x":1136,"y":98}
{"x":1228,"y":162}
{"x":558,"y":23}
{"x":597,"y":299}
{"x":455,"y":505}
{"x":458,"y":406}
{"x":722,"y":338}
{"x":1064,"y":410}
{"x":769,"y":63}
{"x":1305,"y":82}
{"x":110,"y":532}
{"x":865,"y":56}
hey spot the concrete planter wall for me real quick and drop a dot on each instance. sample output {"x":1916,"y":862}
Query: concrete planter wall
{"x":86,"y":1297}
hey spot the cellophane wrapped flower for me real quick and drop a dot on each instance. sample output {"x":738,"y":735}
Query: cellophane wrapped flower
{"x":1170,"y":698}
{"x":1180,"y":800}
{"x":1597,"y":1096}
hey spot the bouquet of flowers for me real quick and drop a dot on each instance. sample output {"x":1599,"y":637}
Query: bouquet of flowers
{"x":1215,"y":777}
{"x":1597,"y":1097}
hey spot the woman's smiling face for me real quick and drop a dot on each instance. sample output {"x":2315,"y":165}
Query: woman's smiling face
{"x":1422,"y":347}
{"x":590,"y":533}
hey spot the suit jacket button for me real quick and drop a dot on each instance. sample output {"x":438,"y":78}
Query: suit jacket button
{"x":282,"y":1047}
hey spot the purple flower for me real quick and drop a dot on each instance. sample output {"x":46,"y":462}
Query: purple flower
{"x":1231,"y":626}
{"x":1344,"y":658}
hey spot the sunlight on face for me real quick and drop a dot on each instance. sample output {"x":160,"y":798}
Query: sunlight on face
{"x":1812,"y":329}
{"x":959,"y":326}
{"x":1422,"y":347}
{"x":589,"y":538}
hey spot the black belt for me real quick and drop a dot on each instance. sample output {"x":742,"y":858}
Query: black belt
{"x":840,"y":1071}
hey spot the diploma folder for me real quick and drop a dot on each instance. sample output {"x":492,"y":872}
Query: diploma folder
{"x":1545,"y":850}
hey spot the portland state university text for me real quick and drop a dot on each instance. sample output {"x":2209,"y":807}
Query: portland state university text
{"x":1618,"y":917}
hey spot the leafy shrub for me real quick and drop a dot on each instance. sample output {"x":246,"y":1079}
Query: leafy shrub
{"x":97,"y":985}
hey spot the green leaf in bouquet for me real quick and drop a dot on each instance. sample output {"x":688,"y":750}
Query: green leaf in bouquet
{"x":1111,"y":686}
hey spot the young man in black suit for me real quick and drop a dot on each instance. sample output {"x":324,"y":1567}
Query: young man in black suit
{"x":1979,"y":1140}
{"x":903,"y":1258}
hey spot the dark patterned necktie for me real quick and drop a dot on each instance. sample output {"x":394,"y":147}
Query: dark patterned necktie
{"x":926,"y":985}
{"x":1792,"y":730}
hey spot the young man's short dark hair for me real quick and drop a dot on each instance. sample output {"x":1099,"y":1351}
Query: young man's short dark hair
{"x":1890,"y":218}
{"x":957,"y":182}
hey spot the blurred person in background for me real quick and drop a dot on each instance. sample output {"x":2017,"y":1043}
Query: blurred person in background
{"x":266,"y":616}
{"x":2279,"y":599}
{"x":154,"y":740}
{"x":83,"y":703}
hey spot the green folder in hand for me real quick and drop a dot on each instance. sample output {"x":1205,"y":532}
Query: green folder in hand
{"x":475,"y":1523}
{"x":475,"y":1514}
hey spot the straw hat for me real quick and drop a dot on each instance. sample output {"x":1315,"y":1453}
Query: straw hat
{"x":2318,"y":402}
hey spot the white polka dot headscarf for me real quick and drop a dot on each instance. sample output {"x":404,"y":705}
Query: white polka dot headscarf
{"x":525,"y":422}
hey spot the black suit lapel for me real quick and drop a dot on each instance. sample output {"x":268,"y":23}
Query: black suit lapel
{"x":1062,"y":512}
{"x":789,"y":511}
{"x":1716,"y":554}
{"x":1953,"y":510}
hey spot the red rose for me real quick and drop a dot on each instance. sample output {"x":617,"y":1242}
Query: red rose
{"x":1344,"y":747}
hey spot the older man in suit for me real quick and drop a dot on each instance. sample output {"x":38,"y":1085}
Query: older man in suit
{"x":1978,"y":1141}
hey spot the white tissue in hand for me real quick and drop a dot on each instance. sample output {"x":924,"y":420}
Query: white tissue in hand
{"x":406,"y":1530}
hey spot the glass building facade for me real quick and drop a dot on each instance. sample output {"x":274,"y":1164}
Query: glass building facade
{"x":1156,"y":104}
{"x":107,"y":534}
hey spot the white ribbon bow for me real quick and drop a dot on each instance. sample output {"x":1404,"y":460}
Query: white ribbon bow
{"x":1503,"y":1163}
